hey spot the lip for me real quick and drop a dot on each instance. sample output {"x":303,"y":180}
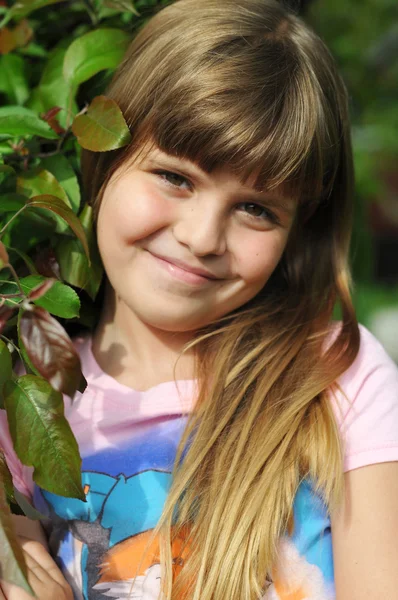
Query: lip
{"x":185,"y":267}
{"x":183,"y":272}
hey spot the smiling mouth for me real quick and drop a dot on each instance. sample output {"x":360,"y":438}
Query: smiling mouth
{"x":181,"y":274}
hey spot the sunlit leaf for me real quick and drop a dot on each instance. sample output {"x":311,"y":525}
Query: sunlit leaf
{"x":61,"y":168}
{"x":60,"y":300}
{"x":56,"y":205}
{"x":13,"y":567}
{"x":93,"y":52}
{"x":51,"y":350}
{"x":40,"y":181}
{"x":102,"y":127}
{"x":73,"y":262}
{"x":42,"y":436}
{"x":53,"y":89}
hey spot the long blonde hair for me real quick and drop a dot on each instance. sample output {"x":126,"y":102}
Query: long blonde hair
{"x":245,"y":83}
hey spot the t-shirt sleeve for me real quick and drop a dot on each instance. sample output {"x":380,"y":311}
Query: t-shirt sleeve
{"x":367,"y":410}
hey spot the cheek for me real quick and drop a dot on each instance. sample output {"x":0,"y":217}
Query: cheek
{"x":260,"y":256}
{"x":133,"y":210}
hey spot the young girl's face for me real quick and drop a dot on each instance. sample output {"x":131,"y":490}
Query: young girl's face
{"x":182,"y":247}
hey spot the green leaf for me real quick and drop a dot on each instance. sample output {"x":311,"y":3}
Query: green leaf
{"x":5,"y":368}
{"x":53,"y":89}
{"x":102,"y":127}
{"x":40,"y":181}
{"x":56,"y":205}
{"x":27,"y":509}
{"x":11,"y":202}
{"x":74,"y":267}
{"x":6,"y":477}
{"x":5,"y":172}
{"x":123,"y":5}
{"x":13,"y":81}
{"x":22,"y":8}
{"x":27,"y":260}
{"x":19,"y":120}
{"x":62,"y":170}
{"x":93,"y":52}
{"x":42,"y":436}
{"x":13,"y":567}
{"x":60,"y":300}
{"x":73,"y":263}
{"x":29,"y":367}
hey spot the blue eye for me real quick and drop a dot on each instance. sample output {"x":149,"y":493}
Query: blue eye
{"x":260,"y":212}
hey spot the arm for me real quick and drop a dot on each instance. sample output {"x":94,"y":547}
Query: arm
{"x":365,"y":535}
{"x":44,"y":576}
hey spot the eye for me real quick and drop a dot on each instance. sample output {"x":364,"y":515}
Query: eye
{"x":174,"y":179}
{"x":258,"y":212}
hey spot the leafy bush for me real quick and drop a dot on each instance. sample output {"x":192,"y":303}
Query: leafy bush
{"x":55,"y":62}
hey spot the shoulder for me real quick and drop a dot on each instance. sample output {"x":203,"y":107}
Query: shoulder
{"x":366,"y":405}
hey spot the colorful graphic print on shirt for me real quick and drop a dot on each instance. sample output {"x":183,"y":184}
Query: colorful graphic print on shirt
{"x":100,"y":543}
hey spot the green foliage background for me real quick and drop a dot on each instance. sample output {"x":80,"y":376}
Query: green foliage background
{"x":363,"y":37}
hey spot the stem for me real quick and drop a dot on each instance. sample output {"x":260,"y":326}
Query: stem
{"x":9,"y":296}
{"x":91,"y":12}
{"x":14,"y":273}
{"x":69,"y":109}
{"x":7,"y":17}
{"x":8,"y":341}
{"x":11,"y":220}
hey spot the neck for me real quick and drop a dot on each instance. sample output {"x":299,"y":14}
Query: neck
{"x":135,"y":353}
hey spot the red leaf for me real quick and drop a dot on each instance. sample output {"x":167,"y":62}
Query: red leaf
{"x":50,"y":114}
{"x":5,"y":314}
{"x":41,"y":289}
{"x":4,"y":258}
{"x":51,"y":350}
{"x":46,"y":263}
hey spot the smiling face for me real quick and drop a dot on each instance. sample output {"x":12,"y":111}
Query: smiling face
{"x":163,"y":217}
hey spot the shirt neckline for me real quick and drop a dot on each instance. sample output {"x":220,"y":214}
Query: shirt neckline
{"x":93,"y":369}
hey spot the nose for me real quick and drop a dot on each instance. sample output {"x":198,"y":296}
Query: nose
{"x":202,"y":228}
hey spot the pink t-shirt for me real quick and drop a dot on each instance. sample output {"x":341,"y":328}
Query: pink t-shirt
{"x":127,"y":441}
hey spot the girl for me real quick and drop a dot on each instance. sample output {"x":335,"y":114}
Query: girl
{"x":223,"y":402}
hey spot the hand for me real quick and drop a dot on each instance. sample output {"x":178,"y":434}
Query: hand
{"x":45,"y":578}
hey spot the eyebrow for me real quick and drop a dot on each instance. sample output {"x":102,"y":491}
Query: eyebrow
{"x":179,"y":164}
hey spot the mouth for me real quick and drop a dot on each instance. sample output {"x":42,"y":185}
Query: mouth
{"x":182,"y":274}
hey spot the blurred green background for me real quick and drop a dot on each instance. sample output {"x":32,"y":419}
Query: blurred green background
{"x":363,"y":37}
